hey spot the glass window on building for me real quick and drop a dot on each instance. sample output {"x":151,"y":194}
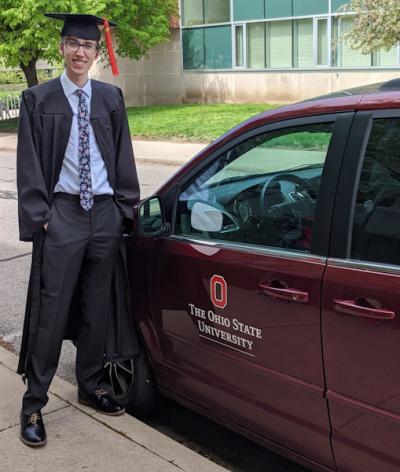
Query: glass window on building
{"x":345,"y":56}
{"x":279,"y":45}
{"x":192,"y":12}
{"x":200,"y":12}
{"x":310,"y":7}
{"x":216,"y":11}
{"x":245,"y":10}
{"x":278,"y":8}
{"x":322,"y":41}
{"x":387,"y":58}
{"x":218,"y":47}
{"x":193,"y":48}
{"x":239,"y":46}
{"x":272,"y":34}
{"x":338,"y":4}
{"x":256,"y":45}
{"x":303,"y":43}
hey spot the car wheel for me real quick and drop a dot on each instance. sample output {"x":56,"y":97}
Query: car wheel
{"x":131,"y":383}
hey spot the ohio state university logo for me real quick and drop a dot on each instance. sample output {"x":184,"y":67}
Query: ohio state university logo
{"x":218,"y":291}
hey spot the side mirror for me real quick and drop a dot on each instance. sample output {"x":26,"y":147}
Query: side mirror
{"x":149,"y":218}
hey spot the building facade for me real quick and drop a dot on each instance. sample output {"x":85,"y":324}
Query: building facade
{"x":255,"y":51}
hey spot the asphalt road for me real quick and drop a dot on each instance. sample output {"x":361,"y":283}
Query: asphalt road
{"x":217,"y":443}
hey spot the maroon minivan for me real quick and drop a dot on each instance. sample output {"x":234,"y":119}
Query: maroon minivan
{"x":268,"y":297}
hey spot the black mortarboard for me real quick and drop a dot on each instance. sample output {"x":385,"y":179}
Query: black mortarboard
{"x":86,"y":26}
{"x":81,"y":26}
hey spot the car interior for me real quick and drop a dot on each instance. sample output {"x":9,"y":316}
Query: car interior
{"x":376,"y":229}
{"x":274,"y":208}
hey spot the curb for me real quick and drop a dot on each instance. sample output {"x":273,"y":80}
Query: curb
{"x":142,"y":160}
{"x":7,"y":148}
{"x":146,"y":151}
{"x":158,"y":160}
{"x":129,"y":427}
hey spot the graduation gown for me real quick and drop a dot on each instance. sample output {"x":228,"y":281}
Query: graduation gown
{"x":43,"y":134}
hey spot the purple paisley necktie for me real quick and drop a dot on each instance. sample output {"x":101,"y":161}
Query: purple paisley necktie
{"x":85,"y":178}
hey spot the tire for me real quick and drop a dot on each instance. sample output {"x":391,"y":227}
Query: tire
{"x":131,"y":383}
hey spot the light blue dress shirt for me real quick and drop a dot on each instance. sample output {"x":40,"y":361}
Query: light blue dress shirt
{"x":69,"y":176}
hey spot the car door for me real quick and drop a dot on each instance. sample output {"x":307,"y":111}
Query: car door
{"x":235,"y":289}
{"x":361,"y":302}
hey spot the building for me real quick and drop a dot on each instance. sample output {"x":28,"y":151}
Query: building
{"x":254,"y":51}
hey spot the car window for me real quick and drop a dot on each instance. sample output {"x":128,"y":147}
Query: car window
{"x":263,"y":191}
{"x":376,"y":226}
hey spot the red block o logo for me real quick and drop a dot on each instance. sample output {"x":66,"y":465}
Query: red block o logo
{"x":218,"y":291}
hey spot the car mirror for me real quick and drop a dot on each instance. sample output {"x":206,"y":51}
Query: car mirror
{"x":205,"y":217}
{"x":150,"y":217}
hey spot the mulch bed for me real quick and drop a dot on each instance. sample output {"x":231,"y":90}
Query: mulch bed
{"x":7,"y":346}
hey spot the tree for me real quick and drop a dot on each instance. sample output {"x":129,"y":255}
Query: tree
{"x":376,"y":25}
{"x":26,"y":35}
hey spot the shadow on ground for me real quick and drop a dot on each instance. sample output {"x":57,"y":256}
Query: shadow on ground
{"x":215,"y":442}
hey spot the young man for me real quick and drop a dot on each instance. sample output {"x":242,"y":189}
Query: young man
{"x":77,"y":182}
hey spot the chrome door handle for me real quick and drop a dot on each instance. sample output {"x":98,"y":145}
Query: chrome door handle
{"x":285,"y":293}
{"x":350,"y":307}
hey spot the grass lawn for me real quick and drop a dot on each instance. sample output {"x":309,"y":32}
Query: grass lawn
{"x":197,"y":123}
{"x":9,"y":94}
{"x":201,"y":123}
{"x":9,"y":126}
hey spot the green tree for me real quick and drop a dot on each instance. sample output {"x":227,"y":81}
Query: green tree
{"x":376,"y":24}
{"x":26,"y":35}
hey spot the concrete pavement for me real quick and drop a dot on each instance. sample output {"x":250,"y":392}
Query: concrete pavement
{"x":160,"y":152}
{"x":81,"y":439}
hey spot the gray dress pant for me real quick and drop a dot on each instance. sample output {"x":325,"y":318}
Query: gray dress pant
{"x":78,"y":244}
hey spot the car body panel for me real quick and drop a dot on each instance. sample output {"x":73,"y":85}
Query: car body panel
{"x":361,"y":353}
{"x":361,"y":362}
{"x":259,"y":380}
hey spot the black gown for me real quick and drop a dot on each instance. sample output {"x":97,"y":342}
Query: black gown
{"x":44,"y":130}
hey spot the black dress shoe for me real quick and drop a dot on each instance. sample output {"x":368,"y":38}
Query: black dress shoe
{"x":101,"y":401}
{"x":32,"y":429}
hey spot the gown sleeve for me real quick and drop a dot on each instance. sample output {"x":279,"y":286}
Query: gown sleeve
{"x":127,"y":186}
{"x":33,"y":199}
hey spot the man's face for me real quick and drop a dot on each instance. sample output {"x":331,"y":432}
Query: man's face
{"x":79,"y":55}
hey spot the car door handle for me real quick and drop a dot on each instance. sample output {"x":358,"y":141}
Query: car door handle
{"x":285,"y":293}
{"x":350,"y":307}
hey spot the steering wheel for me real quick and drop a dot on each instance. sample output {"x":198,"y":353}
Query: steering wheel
{"x":264,"y":203}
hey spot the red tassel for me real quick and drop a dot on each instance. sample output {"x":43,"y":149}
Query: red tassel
{"x":110,"y":49}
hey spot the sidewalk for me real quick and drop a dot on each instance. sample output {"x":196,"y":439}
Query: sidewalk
{"x":81,"y":439}
{"x":158,"y":152}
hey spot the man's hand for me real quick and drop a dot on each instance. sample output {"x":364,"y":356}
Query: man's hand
{"x":46,"y":226}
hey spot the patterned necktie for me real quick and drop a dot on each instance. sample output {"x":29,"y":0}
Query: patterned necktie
{"x":85,"y":178}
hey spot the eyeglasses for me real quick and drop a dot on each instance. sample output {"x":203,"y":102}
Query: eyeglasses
{"x":72,"y":46}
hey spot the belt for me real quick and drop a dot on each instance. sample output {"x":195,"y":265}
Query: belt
{"x":77,"y":198}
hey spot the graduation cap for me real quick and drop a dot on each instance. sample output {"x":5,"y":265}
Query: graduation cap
{"x":86,"y":26}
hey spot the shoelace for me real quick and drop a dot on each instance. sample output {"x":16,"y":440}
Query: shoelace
{"x":100,"y":392}
{"x":34,"y":418}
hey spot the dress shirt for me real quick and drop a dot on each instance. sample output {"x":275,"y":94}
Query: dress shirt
{"x":69,"y":176}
